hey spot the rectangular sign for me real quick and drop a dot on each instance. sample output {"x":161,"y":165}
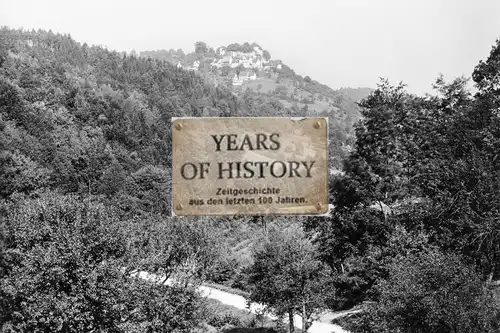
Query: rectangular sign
{"x":249,"y":166}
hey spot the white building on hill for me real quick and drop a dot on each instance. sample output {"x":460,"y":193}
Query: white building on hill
{"x":237,"y":80}
{"x":244,"y":76}
{"x":258,"y":50}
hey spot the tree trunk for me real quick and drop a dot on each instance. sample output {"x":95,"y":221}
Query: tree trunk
{"x":304,"y":317}
{"x":265,"y":227}
{"x":492,"y":270}
{"x":290,"y":319}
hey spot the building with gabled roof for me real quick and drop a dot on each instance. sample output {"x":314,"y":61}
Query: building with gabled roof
{"x":258,"y":50}
{"x":243,"y":76}
{"x":222,"y":50}
{"x":237,"y":79}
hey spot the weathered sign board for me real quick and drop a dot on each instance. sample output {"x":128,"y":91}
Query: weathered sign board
{"x":249,"y":166}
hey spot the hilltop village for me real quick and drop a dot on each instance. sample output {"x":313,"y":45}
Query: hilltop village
{"x":248,"y":66}
{"x":246,"y":63}
{"x":86,"y":154}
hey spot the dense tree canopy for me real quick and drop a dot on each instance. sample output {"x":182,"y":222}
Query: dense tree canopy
{"x":424,"y":166}
{"x":91,"y":126}
{"x":287,"y":275}
{"x":200,"y":47}
{"x":85,"y":182}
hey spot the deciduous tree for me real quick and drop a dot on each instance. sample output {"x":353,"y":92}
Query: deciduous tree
{"x":287,"y":275}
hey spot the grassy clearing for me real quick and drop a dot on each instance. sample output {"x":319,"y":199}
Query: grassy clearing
{"x":227,"y":318}
{"x":267,"y":85}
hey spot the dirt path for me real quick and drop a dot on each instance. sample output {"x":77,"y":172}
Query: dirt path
{"x":240,"y":303}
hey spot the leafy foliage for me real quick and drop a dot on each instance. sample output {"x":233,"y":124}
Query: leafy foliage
{"x":59,"y":272}
{"x":153,"y":308}
{"x":424,"y":174}
{"x":287,"y":276}
{"x":430,"y":291}
{"x":85,"y":153}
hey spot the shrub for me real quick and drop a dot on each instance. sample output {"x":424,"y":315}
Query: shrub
{"x":60,"y":267}
{"x":224,"y":320}
{"x":152,"y":307}
{"x":430,"y":292}
{"x":60,"y":272}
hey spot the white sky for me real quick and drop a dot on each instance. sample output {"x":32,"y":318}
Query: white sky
{"x":342,"y":43}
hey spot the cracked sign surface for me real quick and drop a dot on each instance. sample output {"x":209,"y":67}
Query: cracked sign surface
{"x":249,"y":166}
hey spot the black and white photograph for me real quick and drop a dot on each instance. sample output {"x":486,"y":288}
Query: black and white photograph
{"x":321,"y":166}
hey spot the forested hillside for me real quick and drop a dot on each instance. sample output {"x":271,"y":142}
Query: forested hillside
{"x":251,"y":74}
{"x":416,"y":228}
{"x":85,"y":181}
{"x":85,"y":185}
